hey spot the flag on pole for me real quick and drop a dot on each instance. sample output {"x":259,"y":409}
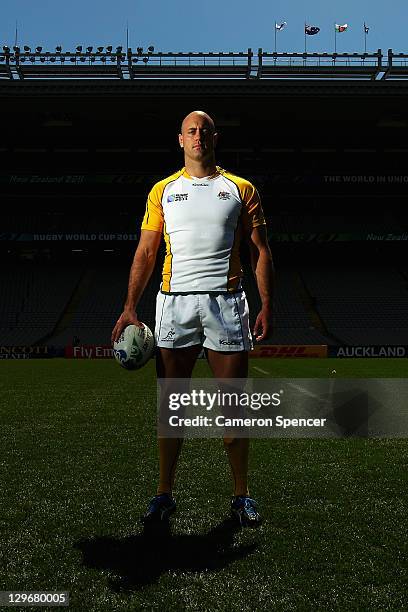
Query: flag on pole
{"x":280,"y":26}
{"x":341,"y":28}
{"x":311,"y":30}
{"x":366,"y":28}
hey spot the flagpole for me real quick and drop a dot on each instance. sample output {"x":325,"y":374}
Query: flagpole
{"x":305,"y":37}
{"x":365,"y":38}
{"x":275,"y":35}
{"x":335,"y":39}
{"x":15,"y":40}
{"x":127,"y":35}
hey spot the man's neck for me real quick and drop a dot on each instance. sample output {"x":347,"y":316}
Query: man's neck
{"x":200,"y":170}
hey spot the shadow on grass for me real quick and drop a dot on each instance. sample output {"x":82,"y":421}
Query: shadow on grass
{"x":140,"y":560}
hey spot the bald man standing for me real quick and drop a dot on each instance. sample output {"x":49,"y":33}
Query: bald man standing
{"x":203,"y":212}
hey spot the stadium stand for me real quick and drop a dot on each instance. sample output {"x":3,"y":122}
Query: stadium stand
{"x":361,"y":304}
{"x":314,"y":304}
{"x":67,"y":192}
{"x":128,"y":222}
{"x":99,"y":308}
{"x":101,"y":303}
{"x":293,"y":324}
{"x":334,"y":223}
{"x":33,"y":298}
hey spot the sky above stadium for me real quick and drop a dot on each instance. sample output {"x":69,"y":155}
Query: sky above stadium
{"x":213,"y":25}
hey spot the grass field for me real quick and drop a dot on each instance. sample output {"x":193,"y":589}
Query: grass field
{"x":78,"y":464}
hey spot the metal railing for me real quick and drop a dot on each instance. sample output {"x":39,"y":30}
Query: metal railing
{"x":106,"y":63}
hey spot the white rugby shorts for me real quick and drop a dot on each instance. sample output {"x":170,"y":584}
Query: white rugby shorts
{"x":216,"y":321}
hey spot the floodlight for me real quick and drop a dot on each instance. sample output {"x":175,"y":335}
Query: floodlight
{"x":89,"y":49}
{"x":26,"y":48}
{"x":109,"y":49}
{"x":58,"y":49}
{"x":38,"y":49}
{"x":79,"y":48}
{"x":150,"y":49}
{"x":100,"y":49}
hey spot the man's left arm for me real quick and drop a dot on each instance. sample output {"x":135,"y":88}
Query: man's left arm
{"x":262,"y":265}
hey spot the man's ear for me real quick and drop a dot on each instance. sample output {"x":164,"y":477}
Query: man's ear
{"x":215,"y":137}
{"x":181,"y":141}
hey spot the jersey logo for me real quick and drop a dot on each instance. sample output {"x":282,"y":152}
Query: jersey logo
{"x":201,"y":184}
{"x":170,"y":336}
{"x":224,"y":195}
{"x":177,"y":197}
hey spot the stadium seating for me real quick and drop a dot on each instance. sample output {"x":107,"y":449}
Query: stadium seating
{"x":292,"y":324}
{"x":337,"y":224}
{"x":314,"y":304}
{"x":360,"y":304}
{"x":33,"y":298}
{"x":99,"y":308}
{"x":129,"y":222}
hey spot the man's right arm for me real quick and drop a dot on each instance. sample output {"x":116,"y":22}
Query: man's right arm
{"x":140,"y":272}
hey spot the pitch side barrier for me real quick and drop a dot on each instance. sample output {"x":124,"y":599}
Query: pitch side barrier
{"x":105,"y":351}
{"x":290,"y":350}
{"x":89,"y":351}
{"x":29,"y":352}
{"x":378,"y":350}
{"x":322,"y":350}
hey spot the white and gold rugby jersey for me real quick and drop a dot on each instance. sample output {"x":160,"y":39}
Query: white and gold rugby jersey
{"x":203,"y":220}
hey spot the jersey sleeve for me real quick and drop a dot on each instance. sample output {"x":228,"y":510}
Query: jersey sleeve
{"x":252,"y":213}
{"x":154,"y":218}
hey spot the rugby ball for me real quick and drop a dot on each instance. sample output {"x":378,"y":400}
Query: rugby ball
{"x":134,"y":347}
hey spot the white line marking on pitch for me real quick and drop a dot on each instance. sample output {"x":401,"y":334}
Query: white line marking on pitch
{"x":305,"y":391}
{"x":260,"y":370}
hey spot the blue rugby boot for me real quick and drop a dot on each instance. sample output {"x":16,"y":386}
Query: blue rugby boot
{"x":244,"y":510}
{"x":161,"y":507}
